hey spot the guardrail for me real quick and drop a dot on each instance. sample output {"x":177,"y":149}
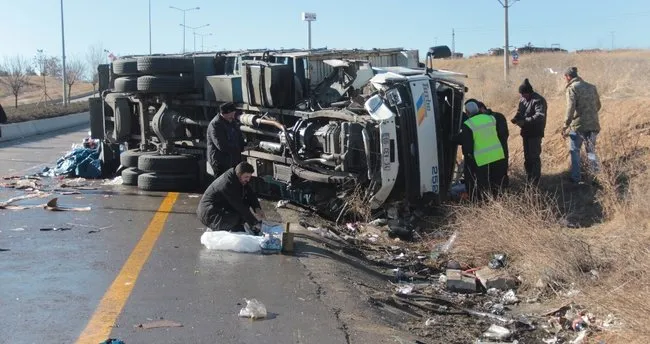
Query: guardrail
{"x":14,"y":131}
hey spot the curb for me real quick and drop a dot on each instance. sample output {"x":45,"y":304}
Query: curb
{"x":13,"y":131}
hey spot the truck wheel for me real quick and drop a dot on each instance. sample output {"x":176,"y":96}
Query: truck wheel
{"x":166,"y":182}
{"x":125,"y":67}
{"x":168,"y":163}
{"x":126,"y":84}
{"x":130,"y":176}
{"x":130,"y":158}
{"x":165,"y":65}
{"x":165,"y":84}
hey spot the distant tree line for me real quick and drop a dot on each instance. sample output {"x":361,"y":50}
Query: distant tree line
{"x":15,"y":71}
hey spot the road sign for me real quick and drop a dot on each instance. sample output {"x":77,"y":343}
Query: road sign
{"x":308,"y":16}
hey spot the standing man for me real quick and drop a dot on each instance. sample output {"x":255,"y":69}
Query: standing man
{"x":225,"y":141}
{"x":227,"y":202}
{"x":531,"y":118}
{"x":581,"y":121}
{"x":482,"y":151}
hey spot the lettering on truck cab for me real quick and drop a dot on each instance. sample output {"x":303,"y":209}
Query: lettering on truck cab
{"x":427,"y":134}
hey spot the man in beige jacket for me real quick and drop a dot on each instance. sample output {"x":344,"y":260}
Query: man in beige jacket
{"x":581,"y":121}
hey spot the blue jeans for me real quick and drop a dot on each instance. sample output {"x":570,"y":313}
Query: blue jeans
{"x":577,"y":138}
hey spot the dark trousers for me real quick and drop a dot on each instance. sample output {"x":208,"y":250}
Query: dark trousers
{"x":532,"y":158}
{"x":488,"y":179}
{"x":220,"y":219}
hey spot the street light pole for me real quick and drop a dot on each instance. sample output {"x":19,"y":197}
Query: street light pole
{"x":193,"y":31}
{"x":184,"y":11}
{"x":149,"y":27}
{"x":202,"y":36}
{"x":65,"y":80}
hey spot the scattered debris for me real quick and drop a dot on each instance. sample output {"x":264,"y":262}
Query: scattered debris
{"x":498,"y":261}
{"x":459,"y":281}
{"x":405,"y":289}
{"x":52,"y":205}
{"x":510,"y":298}
{"x":254,"y":310}
{"x":8,"y":203}
{"x":20,"y":229}
{"x":56,"y":229}
{"x":378,"y":222}
{"x":112,"y":341}
{"x":282,"y":204}
{"x":159,"y":324}
{"x":115,"y":181}
{"x":194,"y":196}
{"x":4,"y":249}
{"x":74,"y":183}
{"x":495,"y":279}
{"x":496,"y":332}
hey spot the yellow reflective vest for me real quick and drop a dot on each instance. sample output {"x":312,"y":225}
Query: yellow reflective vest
{"x":487,"y":147}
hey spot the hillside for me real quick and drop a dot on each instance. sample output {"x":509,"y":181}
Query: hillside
{"x":564,"y":238}
{"x":34,"y":91}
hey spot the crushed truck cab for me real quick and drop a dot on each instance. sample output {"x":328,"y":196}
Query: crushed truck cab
{"x":323,"y":128}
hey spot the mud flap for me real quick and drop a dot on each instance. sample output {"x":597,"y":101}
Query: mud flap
{"x":96,"y":118}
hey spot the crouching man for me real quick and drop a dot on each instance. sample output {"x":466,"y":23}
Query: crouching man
{"x":227,"y":202}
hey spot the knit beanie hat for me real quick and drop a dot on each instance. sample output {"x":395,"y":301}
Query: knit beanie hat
{"x":471,"y":108}
{"x":526,"y":87}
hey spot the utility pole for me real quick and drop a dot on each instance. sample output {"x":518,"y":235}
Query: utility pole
{"x":149,"y":27}
{"x":65,"y":80}
{"x":453,"y":43}
{"x":506,"y":63}
{"x":184,"y":11}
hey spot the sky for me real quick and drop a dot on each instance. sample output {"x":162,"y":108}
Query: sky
{"x":122,"y":26}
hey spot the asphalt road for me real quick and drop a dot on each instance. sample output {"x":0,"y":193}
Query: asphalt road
{"x":136,"y":257}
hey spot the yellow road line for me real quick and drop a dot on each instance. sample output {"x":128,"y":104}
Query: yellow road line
{"x":101,"y":324}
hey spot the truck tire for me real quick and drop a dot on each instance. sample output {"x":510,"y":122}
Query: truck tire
{"x":165,"y":84}
{"x":126,"y":84}
{"x":166,"y":182}
{"x":125,"y":67}
{"x":130,"y":158}
{"x":165,"y":65}
{"x":168,"y":163}
{"x":130,"y":176}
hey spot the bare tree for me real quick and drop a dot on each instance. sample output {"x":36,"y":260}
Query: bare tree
{"x":75,"y":71}
{"x":16,"y":78}
{"x":95,"y":56}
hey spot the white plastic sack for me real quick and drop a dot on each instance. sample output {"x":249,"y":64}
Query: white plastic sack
{"x":254,"y":310}
{"x":227,"y":241}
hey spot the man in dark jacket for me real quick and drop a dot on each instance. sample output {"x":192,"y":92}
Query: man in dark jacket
{"x":225,"y":141}
{"x":483,"y":153}
{"x":226,"y":203}
{"x":531,"y":118}
{"x":499,"y":170}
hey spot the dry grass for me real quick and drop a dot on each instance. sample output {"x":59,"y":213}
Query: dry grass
{"x":529,"y":225}
{"x":34,"y":91}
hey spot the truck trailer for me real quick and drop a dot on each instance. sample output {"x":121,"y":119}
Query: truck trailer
{"x":322,"y":127}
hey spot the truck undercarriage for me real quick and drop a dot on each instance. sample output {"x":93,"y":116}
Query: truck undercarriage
{"x":325,"y":129}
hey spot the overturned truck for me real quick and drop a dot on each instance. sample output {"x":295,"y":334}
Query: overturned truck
{"x":323,"y":128}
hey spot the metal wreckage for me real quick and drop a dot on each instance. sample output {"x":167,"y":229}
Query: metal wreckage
{"x":320,"y":125}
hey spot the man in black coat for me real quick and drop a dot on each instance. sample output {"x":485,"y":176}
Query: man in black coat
{"x":226,"y":203}
{"x":225,"y":141}
{"x":531,"y":118}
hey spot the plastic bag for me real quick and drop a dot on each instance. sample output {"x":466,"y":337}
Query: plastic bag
{"x":254,"y":310}
{"x":271,"y":244}
{"x":227,"y":241}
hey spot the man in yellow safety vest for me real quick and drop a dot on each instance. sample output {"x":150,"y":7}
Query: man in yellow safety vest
{"x":483,"y":152}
